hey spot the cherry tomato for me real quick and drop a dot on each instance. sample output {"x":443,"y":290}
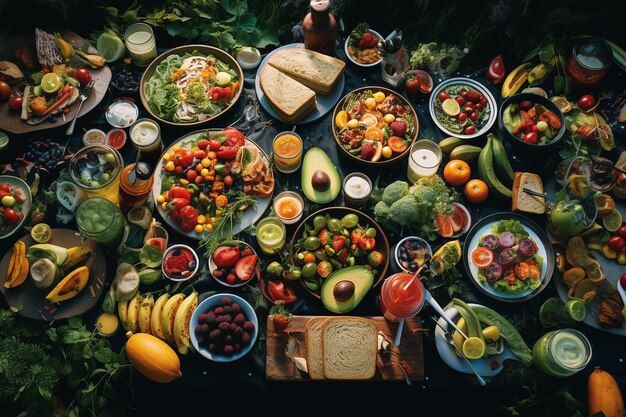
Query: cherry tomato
{"x":469,"y":105}
{"x":464,"y":94}
{"x":622,"y":281}
{"x":412,"y":86}
{"x":234,"y":137}
{"x":214,"y":145}
{"x":179,"y":192}
{"x":228,"y":180}
{"x":15,"y":104}
{"x":474,"y":96}
{"x":83,"y":76}
{"x":4,"y":187}
{"x":586,"y":102}
{"x":4,"y":194}
{"x":479,"y":106}
{"x":5,"y":91}
{"x":531,"y":138}
{"x":203,"y":144}
{"x":11,"y":216}
{"x":461,"y":117}
{"x":443,"y":96}
{"x":469,"y":130}
{"x":587,"y":132}
{"x":184,"y":158}
{"x":622,"y":231}
{"x":280,"y":293}
{"x":460,"y":100}
{"x":473,"y":116}
{"x":484,"y":101}
{"x":616,"y":243}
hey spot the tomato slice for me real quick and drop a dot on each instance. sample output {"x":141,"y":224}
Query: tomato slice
{"x":397,"y":144}
{"x":456,"y":220}
{"x":444,"y":225}
{"x":482,"y":257}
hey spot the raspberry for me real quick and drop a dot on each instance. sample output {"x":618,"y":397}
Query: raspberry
{"x":368,"y":40}
{"x":210,"y":317}
{"x":246,"y":252}
{"x":229,"y":350}
{"x":214,"y":348}
{"x":245,"y":339}
{"x":240,"y":319}
{"x":238,"y":333}
{"x":214,"y":335}
{"x":201,"y":340}
{"x":229,"y":340}
{"x":234,"y":308}
{"x":367,"y":151}
{"x":226,"y":301}
{"x":224,"y":327}
{"x":233,"y":327}
{"x":237,"y":348}
{"x":198,"y":329}
{"x":227,"y":310}
{"x":399,"y":128}
{"x":227,"y":318}
{"x":219,"y":319}
{"x":217,"y":273}
{"x":248,"y":326}
{"x":219,"y":311}
{"x":231,"y":278}
{"x":202,"y":317}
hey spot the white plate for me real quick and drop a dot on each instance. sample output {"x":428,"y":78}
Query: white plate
{"x":324,"y":103}
{"x":345,"y":48}
{"x":248,"y":217}
{"x":12,"y":181}
{"x":448,"y":355}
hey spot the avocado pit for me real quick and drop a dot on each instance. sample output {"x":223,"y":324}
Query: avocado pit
{"x":320,"y":181}
{"x":343,"y":290}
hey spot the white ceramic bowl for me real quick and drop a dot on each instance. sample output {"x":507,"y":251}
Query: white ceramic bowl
{"x":467,"y":226}
{"x":215,"y":301}
{"x":240,"y":283}
{"x":396,"y":251}
{"x":345,"y":48}
{"x":180,"y":246}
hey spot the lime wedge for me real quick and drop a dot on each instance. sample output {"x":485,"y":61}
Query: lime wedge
{"x":4,"y":141}
{"x":473,"y":348}
{"x":41,"y":233}
{"x":110,"y":46}
{"x":51,"y":83}
{"x":613,"y":221}
{"x":576,"y":309}
{"x":451,"y":107}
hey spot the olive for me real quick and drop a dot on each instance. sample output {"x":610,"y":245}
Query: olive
{"x":311,"y":243}
{"x":350,"y":220}
{"x":343,"y":290}
{"x":309,"y":269}
{"x":319,"y":222}
{"x":191,"y":265}
{"x":335,"y":225}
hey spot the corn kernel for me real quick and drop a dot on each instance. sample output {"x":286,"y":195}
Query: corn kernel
{"x":198,"y":229}
{"x":201,"y":219}
{"x":175,"y":148}
{"x":160,"y":199}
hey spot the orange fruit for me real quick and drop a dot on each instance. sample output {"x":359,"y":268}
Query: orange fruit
{"x":341,"y":120}
{"x":374,"y":134}
{"x":369,"y":120}
{"x":397,"y":144}
{"x":457,"y":172}
{"x":476,"y":191}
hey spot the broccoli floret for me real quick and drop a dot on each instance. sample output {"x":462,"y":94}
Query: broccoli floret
{"x":394,"y":192}
{"x":405,"y":211}
{"x":423,"y":194}
{"x":381,"y":211}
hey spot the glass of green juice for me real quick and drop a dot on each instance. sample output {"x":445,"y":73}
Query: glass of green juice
{"x":562,"y":353}
{"x":271,"y":235}
{"x":101,"y":220}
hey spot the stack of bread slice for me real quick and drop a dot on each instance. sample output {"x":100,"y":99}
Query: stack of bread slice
{"x":293,"y":76}
{"x":341,"y":348}
{"x":523,"y":200}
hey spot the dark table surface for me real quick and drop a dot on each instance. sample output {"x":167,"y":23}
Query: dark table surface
{"x":248,"y":375}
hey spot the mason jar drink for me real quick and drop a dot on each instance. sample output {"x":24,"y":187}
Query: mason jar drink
{"x":271,"y":235}
{"x":146,"y":137}
{"x":562,"y":353}
{"x":101,"y":220}
{"x":96,"y":170}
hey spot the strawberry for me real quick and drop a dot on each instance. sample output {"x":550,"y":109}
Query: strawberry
{"x":367,"y":243}
{"x":367,"y":151}
{"x":339,"y":242}
{"x":281,"y":318}
{"x":368,"y":40}
{"x":323,"y":236}
{"x":399,"y":127}
{"x":412,"y":86}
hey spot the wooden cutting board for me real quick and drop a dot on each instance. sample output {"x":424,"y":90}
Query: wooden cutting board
{"x":279,"y":367}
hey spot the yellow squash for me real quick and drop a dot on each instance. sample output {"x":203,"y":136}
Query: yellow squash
{"x":604,"y":395}
{"x":70,"y":286}
{"x":18,"y":266}
{"x":153,"y":358}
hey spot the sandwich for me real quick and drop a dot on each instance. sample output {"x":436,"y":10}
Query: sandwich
{"x":317,"y":71}
{"x":525,"y":201}
{"x":289,"y":98}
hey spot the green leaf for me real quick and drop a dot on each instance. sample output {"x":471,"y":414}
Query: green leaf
{"x":531,"y":54}
{"x":546,"y":54}
{"x":104,"y":355}
{"x":87,"y":352}
{"x":75,"y":323}
{"x":559,"y":84}
{"x":150,"y":256}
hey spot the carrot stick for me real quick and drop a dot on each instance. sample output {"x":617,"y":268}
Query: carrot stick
{"x":57,"y":103}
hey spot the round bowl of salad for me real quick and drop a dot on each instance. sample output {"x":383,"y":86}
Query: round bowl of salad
{"x":15,"y":204}
{"x":508,"y":257}
{"x":191,"y":85}
{"x":463,"y":108}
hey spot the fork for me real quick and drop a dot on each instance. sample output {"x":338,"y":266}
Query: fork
{"x":86,"y":91}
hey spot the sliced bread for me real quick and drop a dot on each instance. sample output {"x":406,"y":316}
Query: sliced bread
{"x":314,"y":349}
{"x":291,"y":99}
{"x":317,"y":71}
{"x":350,"y":346}
{"x":522,"y":200}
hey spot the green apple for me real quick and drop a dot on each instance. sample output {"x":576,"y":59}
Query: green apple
{"x":568,"y":217}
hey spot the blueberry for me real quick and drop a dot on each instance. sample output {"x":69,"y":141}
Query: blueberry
{"x":403,"y":255}
{"x":191,"y":265}
{"x":413,"y":266}
{"x":416,"y":245}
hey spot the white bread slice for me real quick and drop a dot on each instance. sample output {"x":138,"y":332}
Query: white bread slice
{"x":291,"y":99}
{"x":314,"y":349}
{"x":317,"y":71}
{"x":523,"y":201}
{"x":350,"y":346}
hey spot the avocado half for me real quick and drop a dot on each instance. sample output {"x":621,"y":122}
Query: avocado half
{"x":344,"y":289}
{"x":320,"y":180}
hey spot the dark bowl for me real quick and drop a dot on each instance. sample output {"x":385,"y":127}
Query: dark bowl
{"x":519,"y":144}
{"x":382,"y":244}
{"x":118,"y":90}
{"x":381,"y":162}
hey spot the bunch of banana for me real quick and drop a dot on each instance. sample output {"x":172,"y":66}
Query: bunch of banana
{"x":457,"y":149}
{"x":166,"y":318}
{"x":493,"y":158}
{"x":18,"y":266}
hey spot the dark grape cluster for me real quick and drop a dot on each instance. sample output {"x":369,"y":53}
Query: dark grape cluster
{"x":44,"y":153}
{"x":127,"y":81}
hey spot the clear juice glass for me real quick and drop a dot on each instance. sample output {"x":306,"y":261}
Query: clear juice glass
{"x":101,"y":220}
{"x":96,"y":170}
{"x":287,"y":148}
{"x":271,"y":235}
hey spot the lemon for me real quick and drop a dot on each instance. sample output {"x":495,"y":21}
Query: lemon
{"x":41,"y":233}
{"x":474,"y":348}
{"x":110,"y":46}
{"x":576,"y":309}
{"x":613,"y":221}
{"x":4,"y":141}
{"x":378,"y":96}
{"x":51,"y":83}
{"x":456,"y":336}
{"x":451,"y":107}
{"x":491,"y":333}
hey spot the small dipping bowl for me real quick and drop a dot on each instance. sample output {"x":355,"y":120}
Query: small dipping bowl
{"x":417,"y":245}
{"x":193,"y":269}
{"x":296,"y":203}
{"x":94,"y":137}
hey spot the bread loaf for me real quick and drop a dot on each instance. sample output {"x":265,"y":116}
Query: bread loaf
{"x":350,"y":346}
{"x":317,"y":71}
{"x":291,"y":99}
{"x":523,"y":201}
{"x":314,"y":349}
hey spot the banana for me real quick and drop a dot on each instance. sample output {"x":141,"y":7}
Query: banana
{"x":501,"y":161}
{"x":467,"y":153}
{"x":122,"y":312}
{"x":145,"y":313}
{"x":169,"y":314}
{"x":516,"y":79}
{"x":448,"y":144}
{"x":181,"y":323}
{"x":134,"y":306}
{"x":156,"y":322}
{"x":540,"y":72}
{"x":487,"y":173}
{"x":76,"y":255}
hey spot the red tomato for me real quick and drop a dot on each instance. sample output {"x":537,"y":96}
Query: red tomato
{"x":203,"y":144}
{"x":15,"y":104}
{"x":474,"y":96}
{"x":219,"y":93}
{"x":622,"y":231}
{"x":443,"y":96}
{"x":214,"y":145}
{"x":280,"y":293}
{"x":586,"y":102}
{"x":179,"y":202}
{"x":226,"y":153}
{"x":482,"y":257}
{"x":531,"y":137}
{"x":469,"y":107}
{"x":179,"y":192}
{"x":4,"y":187}
{"x":367,"y":243}
{"x":412,"y":86}
{"x":622,"y":281}
{"x":460,"y":100}
{"x":616,"y":243}
{"x":461,"y":117}
{"x":495,"y":71}
{"x":199,"y":154}
{"x":226,"y":256}
{"x":234,"y":137}
{"x":469,"y":130}
{"x":479,"y":107}
{"x":83,"y":76}
{"x":228,"y":180}
{"x":188,"y":218}
{"x":4,"y":194}
{"x":184,"y":158}
{"x":444,"y":225}
{"x":474,"y":116}
{"x":11,"y":216}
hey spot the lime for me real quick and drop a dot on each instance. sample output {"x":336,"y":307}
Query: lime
{"x":451,"y":107}
{"x":110,"y":46}
{"x":552,"y":314}
{"x":51,"y":83}
{"x":613,"y":221}
{"x":576,"y":309}
{"x":4,"y":141}
{"x":41,"y":233}
{"x":474,"y":348}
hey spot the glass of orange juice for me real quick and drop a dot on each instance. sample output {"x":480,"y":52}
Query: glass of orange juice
{"x":287,"y":148}
{"x":288,"y":206}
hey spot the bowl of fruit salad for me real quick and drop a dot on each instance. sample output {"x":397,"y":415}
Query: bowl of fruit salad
{"x":463,"y":108}
{"x":234,"y":263}
{"x":180,"y":263}
{"x":15,"y":203}
{"x":361,"y":47}
{"x":530,"y":121}
{"x":411,"y":253}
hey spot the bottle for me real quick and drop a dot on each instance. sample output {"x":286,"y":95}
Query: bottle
{"x":135,"y":185}
{"x":320,"y":28}
{"x":395,"y":59}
